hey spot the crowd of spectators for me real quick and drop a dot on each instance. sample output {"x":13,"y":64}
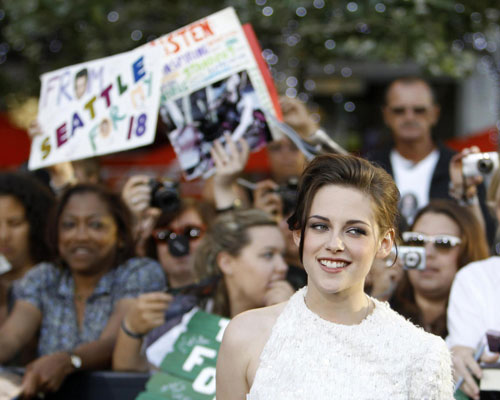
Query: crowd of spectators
{"x":89,"y":277}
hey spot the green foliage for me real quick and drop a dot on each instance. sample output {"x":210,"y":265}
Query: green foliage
{"x":443,"y":36}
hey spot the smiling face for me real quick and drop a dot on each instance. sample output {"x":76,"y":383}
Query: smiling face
{"x":14,"y":232}
{"x":259,"y":264}
{"x":441,"y":265}
{"x":88,"y":235}
{"x":341,"y":241}
{"x":410,"y":112}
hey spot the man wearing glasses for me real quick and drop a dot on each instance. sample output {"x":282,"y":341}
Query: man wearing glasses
{"x":419,"y":165}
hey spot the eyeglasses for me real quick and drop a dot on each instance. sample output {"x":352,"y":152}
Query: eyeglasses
{"x":417,"y":110}
{"x":441,"y":242}
{"x":191,"y":232}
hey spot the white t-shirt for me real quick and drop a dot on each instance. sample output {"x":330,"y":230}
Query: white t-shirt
{"x":474,"y":303}
{"x":413,"y":181}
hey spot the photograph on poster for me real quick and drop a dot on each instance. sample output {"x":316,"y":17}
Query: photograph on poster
{"x":196,"y":120}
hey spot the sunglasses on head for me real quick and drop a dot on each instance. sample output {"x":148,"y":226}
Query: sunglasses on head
{"x":191,"y":232}
{"x":441,"y":242}
{"x":417,"y":110}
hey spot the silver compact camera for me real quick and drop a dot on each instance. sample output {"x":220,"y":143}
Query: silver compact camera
{"x":479,"y":164}
{"x":412,"y":257}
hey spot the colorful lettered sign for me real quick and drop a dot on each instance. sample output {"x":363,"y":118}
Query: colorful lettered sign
{"x":211,"y":86}
{"x":99,"y":107}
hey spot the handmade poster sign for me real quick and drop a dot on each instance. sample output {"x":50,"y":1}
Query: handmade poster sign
{"x":186,"y":356}
{"x":99,"y":107}
{"x":211,"y":78}
{"x":212,"y":85}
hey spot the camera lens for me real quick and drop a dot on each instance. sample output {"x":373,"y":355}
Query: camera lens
{"x":178,"y":246}
{"x":485,"y":165}
{"x":411,"y":259}
{"x":165,"y":195}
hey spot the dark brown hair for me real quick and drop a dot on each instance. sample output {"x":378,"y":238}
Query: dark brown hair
{"x":36,"y":199}
{"x":117,"y":209}
{"x":350,"y":171}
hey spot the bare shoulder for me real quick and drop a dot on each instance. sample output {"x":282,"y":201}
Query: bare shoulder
{"x":254,"y":323}
{"x":244,"y":340}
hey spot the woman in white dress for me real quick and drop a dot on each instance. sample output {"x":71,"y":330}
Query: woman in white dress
{"x":330,"y":340}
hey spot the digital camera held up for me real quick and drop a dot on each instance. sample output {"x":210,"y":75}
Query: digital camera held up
{"x":165,"y":195}
{"x":413,"y":257}
{"x":480,"y":164}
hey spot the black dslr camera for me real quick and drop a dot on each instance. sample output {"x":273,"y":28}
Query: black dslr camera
{"x":165,"y":195}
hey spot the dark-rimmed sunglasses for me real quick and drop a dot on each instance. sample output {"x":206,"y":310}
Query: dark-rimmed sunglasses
{"x":417,"y":110}
{"x":440,"y":242}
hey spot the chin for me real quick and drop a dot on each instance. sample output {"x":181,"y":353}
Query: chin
{"x":328,"y":287}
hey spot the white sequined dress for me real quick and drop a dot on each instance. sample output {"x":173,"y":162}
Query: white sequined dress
{"x":384,"y":357}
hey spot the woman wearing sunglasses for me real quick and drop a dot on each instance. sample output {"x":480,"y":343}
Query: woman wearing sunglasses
{"x":452,"y":237}
{"x":173,"y":242}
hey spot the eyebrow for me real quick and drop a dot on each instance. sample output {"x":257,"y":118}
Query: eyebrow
{"x":351,"y":221}
{"x":270,"y":248}
{"x":95,"y":215}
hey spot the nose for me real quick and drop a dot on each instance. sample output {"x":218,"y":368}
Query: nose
{"x":81,"y":231}
{"x":281,"y":266}
{"x":430,"y":250}
{"x":335,"y":243}
{"x":4,"y":232}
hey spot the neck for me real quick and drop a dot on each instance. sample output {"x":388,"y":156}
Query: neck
{"x":85,"y":284}
{"x":415,"y":150}
{"x":237,"y":305}
{"x":431,"y":307}
{"x":238,"y":302}
{"x":179,"y":280}
{"x":342,"y":308}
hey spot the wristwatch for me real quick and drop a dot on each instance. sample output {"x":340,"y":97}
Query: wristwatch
{"x":76,"y":361}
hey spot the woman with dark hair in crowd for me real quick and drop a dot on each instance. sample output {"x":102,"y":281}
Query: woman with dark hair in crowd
{"x":243,"y":250}
{"x":24,"y":202}
{"x":331,"y":340}
{"x":452,"y":238}
{"x":78,"y":301}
